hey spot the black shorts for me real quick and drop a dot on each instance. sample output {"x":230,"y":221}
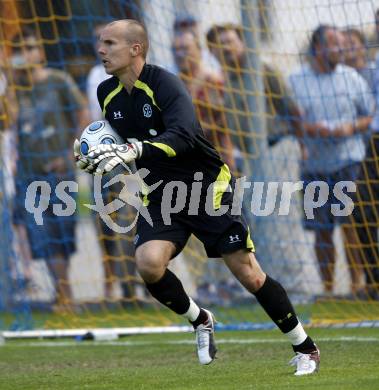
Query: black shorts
{"x":323,"y":216}
{"x":56,"y":235}
{"x":220,"y":234}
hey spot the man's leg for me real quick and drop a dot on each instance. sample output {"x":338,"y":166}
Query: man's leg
{"x":152,"y":259}
{"x":370,"y":254}
{"x":354,"y":259}
{"x":58,"y":266}
{"x":274,"y":300}
{"x":326,"y":257}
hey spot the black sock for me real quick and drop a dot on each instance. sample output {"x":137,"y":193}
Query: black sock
{"x":274,"y":300}
{"x":170,"y":292}
{"x":306,"y":346}
{"x":201,"y":319}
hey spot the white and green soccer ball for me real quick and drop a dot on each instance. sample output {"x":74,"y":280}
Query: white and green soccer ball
{"x":96,"y":133}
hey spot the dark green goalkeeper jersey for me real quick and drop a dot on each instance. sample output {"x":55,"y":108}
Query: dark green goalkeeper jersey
{"x":159,"y":112}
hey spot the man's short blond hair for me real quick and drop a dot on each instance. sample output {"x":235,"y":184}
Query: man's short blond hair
{"x":135,"y":33}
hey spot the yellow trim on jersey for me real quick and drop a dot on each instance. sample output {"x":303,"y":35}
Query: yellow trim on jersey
{"x":141,"y":85}
{"x":220,"y":185}
{"x":249,"y":242}
{"x":167,"y":149}
{"x":144,"y":193}
{"x":111,"y":95}
{"x":145,"y":200}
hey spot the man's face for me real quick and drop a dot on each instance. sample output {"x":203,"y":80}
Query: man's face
{"x":30,"y":54}
{"x":229,"y":48}
{"x":186,"y":51}
{"x":33,"y":51}
{"x":27,"y":57}
{"x":331,"y":51}
{"x":96,"y":35}
{"x":114,"y":50}
{"x":355,"y":50}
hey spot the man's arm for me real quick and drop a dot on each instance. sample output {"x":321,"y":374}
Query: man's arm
{"x":365,"y":105}
{"x":361,"y":125}
{"x":179,"y":118}
{"x":313,"y":130}
{"x":211,"y":113}
{"x":279,"y":98}
{"x":181,"y":128}
{"x":74,"y":99}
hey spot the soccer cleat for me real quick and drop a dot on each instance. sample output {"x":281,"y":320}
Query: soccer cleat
{"x":306,"y":363}
{"x":206,"y":346}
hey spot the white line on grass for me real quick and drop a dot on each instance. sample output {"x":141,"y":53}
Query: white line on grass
{"x":70,"y":343}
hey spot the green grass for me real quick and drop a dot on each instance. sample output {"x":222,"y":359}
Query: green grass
{"x":156,"y":362}
{"x":113,"y":315}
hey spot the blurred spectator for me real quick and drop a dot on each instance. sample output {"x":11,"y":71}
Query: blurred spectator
{"x":337,"y":108}
{"x":280,"y":118}
{"x":50,"y":110}
{"x":373,"y":39}
{"x":186,"y":22}
{"x":14,"y":258}
{"x":95,"y":77}
{"x":118,"y":249}
{"x":366,"y":211}
{"x":226,"y":43}
{"x":356,"y":55}
{"x":206,"y":88}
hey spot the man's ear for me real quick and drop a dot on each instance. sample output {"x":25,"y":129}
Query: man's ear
{"x":135,"y":50}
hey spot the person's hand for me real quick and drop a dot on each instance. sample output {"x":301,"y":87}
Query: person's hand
{"x":114,"y":155}
{"x":344,"y":130}
{"x":304,"y":152}
{"x":323,"y":130}
{"x":316,"y":129}
{"x":57,"y":165}
{"x":82,"y":162}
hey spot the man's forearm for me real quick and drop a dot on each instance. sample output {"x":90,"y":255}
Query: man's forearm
{"x":313,"y":130}
{"x":83,"y":119}
{"x":362,"y":124}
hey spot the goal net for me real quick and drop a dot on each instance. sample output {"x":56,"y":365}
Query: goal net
{"x":79,"y":272}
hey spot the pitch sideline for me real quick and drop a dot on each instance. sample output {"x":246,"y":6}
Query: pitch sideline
{"x":70,"y":343}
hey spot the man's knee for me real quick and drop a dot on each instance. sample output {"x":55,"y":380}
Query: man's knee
{"x":246,"y":269}
{"x":324,"y":236}
{"x":152,"y":260}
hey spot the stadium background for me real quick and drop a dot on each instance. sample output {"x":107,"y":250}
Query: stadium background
{"x":279,"y":31}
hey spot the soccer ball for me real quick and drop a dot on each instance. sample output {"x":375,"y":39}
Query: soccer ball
{"x":96,"y":133}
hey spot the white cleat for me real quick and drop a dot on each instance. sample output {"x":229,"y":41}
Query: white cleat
{"x":306,"y":363}
{"x":206,"y":346}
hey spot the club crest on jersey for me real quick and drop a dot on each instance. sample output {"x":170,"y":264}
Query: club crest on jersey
{"x":117,"y":115}
{"x":147,"y":111}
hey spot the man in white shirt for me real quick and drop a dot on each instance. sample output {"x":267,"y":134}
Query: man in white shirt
{"x":113,"y":245}
{"x":337,"y":108}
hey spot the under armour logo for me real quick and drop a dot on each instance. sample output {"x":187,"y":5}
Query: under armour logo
{"x":233,"y":239}
{"x":147,"y":111}
{"x":288,"y":316}
{"x":117,"y":115}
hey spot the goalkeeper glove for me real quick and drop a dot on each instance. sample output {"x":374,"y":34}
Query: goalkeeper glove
{"x":115,"y":154}
{"x":82,"y":162}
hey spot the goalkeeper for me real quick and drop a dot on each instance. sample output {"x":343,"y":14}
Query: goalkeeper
{"x":151,"y":108}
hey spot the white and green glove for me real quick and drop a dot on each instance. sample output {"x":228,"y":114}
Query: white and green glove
{"x":115,"y":155}
{"x":82,"y":162}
